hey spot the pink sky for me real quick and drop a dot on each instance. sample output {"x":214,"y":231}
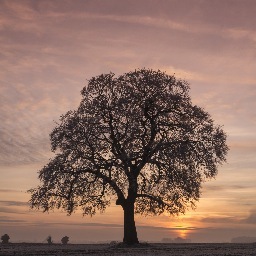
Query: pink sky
{"x":49,"y":48}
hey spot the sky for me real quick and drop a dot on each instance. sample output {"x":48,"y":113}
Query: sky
{"x":49,"y":50}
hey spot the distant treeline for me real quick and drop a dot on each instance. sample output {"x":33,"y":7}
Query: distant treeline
{"x":243,"y":239}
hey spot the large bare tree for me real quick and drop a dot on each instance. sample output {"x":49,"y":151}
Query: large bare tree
{"x":136,"y":139}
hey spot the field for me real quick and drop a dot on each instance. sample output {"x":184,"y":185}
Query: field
{"x":30,"y":249}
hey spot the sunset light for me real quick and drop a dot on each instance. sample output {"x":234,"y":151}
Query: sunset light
{"x":50,"y":49}
{"x":183,"y":232}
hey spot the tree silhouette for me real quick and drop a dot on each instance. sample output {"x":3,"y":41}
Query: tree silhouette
{"x":5,"y":239}
{"x":49,"y":240}
{"x":137,"y":139}
{"x":65,"y":239}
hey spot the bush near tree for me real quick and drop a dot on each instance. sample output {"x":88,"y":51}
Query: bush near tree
{"x":64,"y":240}
{"x":5,"y":238}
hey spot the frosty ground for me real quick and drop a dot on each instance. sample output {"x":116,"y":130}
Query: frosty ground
{"x":30,"y":249}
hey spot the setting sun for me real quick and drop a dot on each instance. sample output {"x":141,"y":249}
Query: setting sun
{"x":184,"y":228}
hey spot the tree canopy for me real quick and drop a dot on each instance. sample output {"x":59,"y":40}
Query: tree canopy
{"x":136,"y":139}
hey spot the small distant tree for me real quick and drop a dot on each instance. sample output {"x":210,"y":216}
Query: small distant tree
{"x":49,"y":240}
{"x":5,"y":238}
{"x":136,"y":138}
{"x":65,"y":240}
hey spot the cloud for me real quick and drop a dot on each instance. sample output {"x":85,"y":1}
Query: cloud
{"x":13,"y":203}
{"x":7,"y":221}
{"x":94,"y":224}
{"x":115,"y":225}
{"x":177,"y":228}
{"x":186,"y":74}
{"x":68,"y":226}
{"x":16,"y":207}
{"x":238,"y":33}
{"x":223,"y":188}
{"x":8,"y":191}
{"x":17,"y":149}
{"x":220,"y":219}
{"x":27,"y":119}
{"x":251,"y":219}
{"x":11,"y":210}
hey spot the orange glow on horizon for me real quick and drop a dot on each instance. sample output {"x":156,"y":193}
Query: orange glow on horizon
{"x":185,"y":225}
{"x":183,"y":232}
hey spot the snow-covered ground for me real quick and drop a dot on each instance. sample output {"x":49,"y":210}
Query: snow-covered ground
{"x":149,"y":250}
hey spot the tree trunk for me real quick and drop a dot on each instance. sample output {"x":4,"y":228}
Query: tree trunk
{"x":130,"y":233}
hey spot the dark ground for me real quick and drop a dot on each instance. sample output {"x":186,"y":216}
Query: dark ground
{"x":30,"y":249}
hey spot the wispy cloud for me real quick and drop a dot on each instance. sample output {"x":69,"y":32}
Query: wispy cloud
{"x":228,"y":187}
{"x":13,"y":203}
{"x":220,"y":219}
{"x":9,"y":191}
{"x":11,"y":210}
{"x":7,"y":221}
{"x":238,"y":33}
{"x":13,"y":207}
{"x":251,"y":219}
